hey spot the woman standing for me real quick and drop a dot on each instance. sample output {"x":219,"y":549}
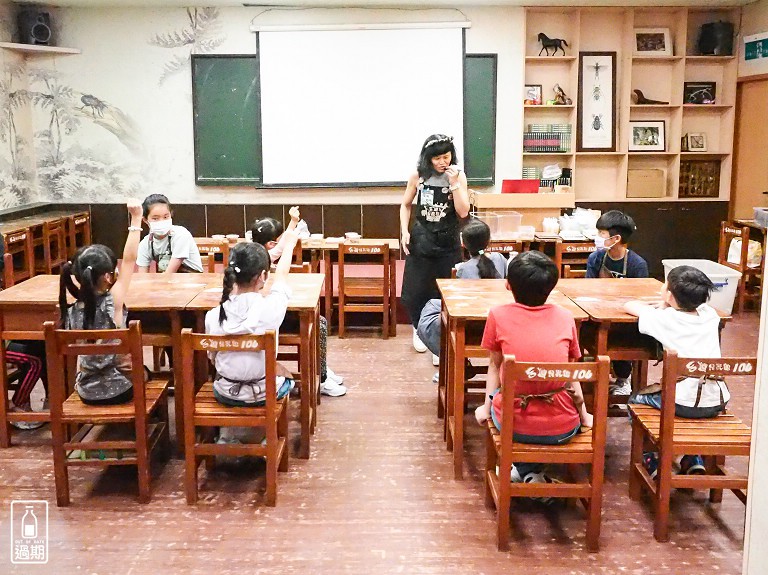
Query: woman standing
{"x":432,"y":246}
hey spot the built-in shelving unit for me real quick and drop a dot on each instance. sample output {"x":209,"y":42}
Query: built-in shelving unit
{"x":602,"y":176}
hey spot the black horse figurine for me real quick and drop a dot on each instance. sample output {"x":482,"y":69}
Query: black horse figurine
{"x":554,"y":43}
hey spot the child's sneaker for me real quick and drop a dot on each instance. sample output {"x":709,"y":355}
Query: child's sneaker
{"x":418,"y":345}
{"x":25,"y":425}
{"x":435,"y":360}
{"x":332,"y":388}
{"x":651,"y":463}
{"x":436,"y":378}
{"x":622,"y":386}
{"x":539,"y":477}
{"x":330,"y":374}
{"x":692,"y":465}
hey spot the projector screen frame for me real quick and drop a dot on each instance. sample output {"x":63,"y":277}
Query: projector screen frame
{"x":369,"y":184}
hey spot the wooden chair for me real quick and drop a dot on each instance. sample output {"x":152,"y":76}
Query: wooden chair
{"x":11,"y":372}
{"x":97,"y":441}
{"x":571,"y":273}
{"x":572,"y":254}
{"x":78,"y":231}
{"x":18,"y":245}
{"x":751,"y":277}
{"x":585,"y":449}
{"x":670,"y":436}
{"x":54,"y":246}
{"x":202,"y":411}
{"x":364,"y":294}
{"x":209,"y":247}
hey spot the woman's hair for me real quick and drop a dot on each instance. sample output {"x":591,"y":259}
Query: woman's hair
{"x":690,"y":287}
{"x":88,"y":264}
{"x":246,"y":261}
{"x":476,"y":236}
{"x":532,"y":276}
{"x":153,"y":199}
{"x":435,"y":145}
{"x":266,"y":230}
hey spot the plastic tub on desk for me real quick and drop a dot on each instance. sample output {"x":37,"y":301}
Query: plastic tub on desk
{"x":726,"y":280}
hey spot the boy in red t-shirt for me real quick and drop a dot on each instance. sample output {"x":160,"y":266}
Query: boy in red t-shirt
{"x":532,"y":330}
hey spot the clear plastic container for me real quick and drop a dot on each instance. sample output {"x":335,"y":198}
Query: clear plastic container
{"x":508,"y":226}
{"x":491,"y":219}
{"x":726,"y":280}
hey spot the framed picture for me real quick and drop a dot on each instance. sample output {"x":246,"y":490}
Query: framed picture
{"x":697,"y":142}
{"x":647,"y":136}
{"x":699,"y":92}
{"x":532,"y":95}
{"x":652,"y":42}
{"x":596,"y":120}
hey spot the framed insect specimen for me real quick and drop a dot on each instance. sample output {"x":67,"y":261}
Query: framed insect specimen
{"x":596,"y":118}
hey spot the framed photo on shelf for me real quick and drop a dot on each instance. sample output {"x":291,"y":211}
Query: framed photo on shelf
{"x":697,"y":142}
{"x":652,"y":42}
{"x":647,"y":136}
{"x":699,"y":92}
{"x":532,"y":95}
{"x":596,"y":119}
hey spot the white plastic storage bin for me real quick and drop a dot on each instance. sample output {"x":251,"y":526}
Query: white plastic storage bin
{"x":726,"y":280}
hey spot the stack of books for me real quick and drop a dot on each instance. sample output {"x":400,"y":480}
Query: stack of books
{"x":547,"y":138}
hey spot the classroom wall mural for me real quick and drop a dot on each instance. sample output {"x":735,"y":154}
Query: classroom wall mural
{"x":17,"y":171}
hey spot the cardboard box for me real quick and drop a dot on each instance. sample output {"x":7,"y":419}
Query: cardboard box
{"x":646,"y":183}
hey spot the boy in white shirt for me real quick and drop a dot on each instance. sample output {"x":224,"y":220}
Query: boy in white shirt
{"x":684,"y":323}
{"x":172,"y":247}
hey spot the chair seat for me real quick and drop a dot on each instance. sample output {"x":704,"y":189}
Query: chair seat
{"x":363,"y":287}
{"x":724,"y":434}
{"x":74,"y":410}
{"x":207,"y":406}
{"x":577,"y":450}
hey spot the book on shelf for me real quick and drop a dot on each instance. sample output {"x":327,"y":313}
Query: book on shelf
{"x":547,"y":138}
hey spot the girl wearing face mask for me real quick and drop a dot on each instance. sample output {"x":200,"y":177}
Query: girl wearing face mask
{"x":99,"y":295}
{"x":171,"y":247}
{"x":432,"y":246}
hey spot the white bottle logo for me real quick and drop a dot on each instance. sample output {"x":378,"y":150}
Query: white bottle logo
{"x":29,"y":524}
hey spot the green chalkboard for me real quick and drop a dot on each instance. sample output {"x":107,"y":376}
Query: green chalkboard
{"x":227,"y":120}
{"x":480,"y":118}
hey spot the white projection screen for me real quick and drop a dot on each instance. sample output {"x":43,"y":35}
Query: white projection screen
{"x":350,"y":107}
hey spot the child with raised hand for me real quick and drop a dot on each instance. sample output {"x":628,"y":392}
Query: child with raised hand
{"x":683,"y":322}
{"x":475,"y":237}
{"x":269,"y":233}
{"x":100,"y":295}
{"x":245,"y":310}
{"x":613,"y":259}
{"x":171,"y":247}
{"x":545,"y":413}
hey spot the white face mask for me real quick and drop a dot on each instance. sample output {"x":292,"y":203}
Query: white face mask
{"x":160,"y":228}
{"x":600,"y":243}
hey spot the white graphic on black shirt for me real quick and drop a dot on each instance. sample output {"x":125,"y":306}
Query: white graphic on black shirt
{"x":434,"y":213}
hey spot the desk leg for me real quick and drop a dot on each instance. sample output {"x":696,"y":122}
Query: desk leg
{"x":5,"y":426}
{"x":308,"y":386}
{"x":392,"y":293}
{"x":178,"y":393}
{"x":442,"y":396}
{"x":328,"y":263}
{"x":458,"y":400}
{"x":450,"y":357}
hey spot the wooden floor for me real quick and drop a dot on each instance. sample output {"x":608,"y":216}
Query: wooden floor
{"x":377,"y":496}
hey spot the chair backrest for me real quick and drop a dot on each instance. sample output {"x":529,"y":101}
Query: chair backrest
{"x":571,"y":273}
{"x":202,"y":342}
{"x":572,"y":253}
{"x":298,"y":254}
{"x":454,"y":273}
{"x":64,"y":346}
{"x":597,"y":373}
{"x":304,"y":268}
{"x":20,"y":242}
{"x":729,"y":232}
{"x":373,"y":252}
{"x":209,"y":247}
{"x":676,"y":367}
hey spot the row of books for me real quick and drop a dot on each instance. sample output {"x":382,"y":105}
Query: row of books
{"x":547,"y":138}
{"x":534,"y":173}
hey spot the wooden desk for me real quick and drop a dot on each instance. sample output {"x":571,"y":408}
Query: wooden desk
{"x":466,"y":304}
{"x":305,"y":300}
{"x":328,"y":252}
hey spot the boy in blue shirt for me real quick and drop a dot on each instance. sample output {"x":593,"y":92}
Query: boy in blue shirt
{"x":613,"y":259}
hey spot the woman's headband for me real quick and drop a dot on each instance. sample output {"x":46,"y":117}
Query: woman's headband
{"x":438,"y":141}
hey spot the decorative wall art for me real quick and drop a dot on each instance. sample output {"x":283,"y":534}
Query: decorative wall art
{"x":652,"y":42}
{"x":596,"y":121}
{"x":647,"y":136}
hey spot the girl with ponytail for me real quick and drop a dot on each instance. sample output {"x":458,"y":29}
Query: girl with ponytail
{"x":243,"y":310}
{"x":99,"y":295}
{"x":475,"y":237}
